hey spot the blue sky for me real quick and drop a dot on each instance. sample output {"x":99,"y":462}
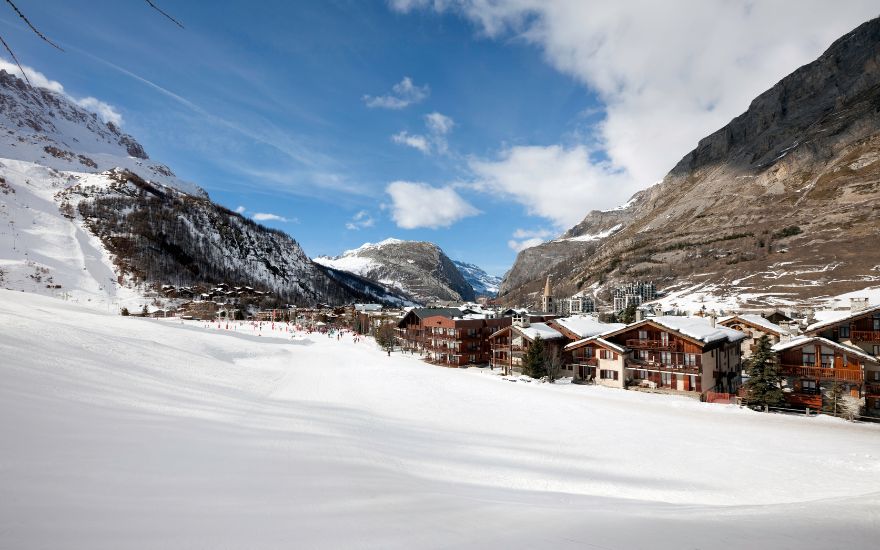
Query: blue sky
{"x":508,"y":123}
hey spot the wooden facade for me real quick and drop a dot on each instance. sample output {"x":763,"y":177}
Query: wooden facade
{"x":509,"y":344}
{"x":445,"y":337}
{"x":812,"y":366}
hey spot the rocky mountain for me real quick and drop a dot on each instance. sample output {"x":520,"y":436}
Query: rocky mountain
{"x":419,"y":270}
{"x":85,"y":214}
{"x":779,"y":206}
{"x":482,"y":283}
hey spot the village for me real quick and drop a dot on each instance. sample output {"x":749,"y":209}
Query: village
{"x":827,"y":360}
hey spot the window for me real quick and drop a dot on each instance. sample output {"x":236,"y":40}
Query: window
{"x":843,"y":332}
{"x":607,"y":374}
{"x":877,"y":376}
{"x":643,"y":354}
{"x":827,"y":360}
{"x":666,"y":378}
{"x":666,"y":357}
{"x":877,"y":404}
{"x":690,"y":359}
{"x":692,"y":382}
{"x":876,"y":351}
{"x":664,"y":338}
{"x":809,"y":386}
{"x":808,"y":358}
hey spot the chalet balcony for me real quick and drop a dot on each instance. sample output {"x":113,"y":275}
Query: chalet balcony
{"x":654,"y":344}
{"x":641,"y":364}
{"x":847,"y":375}
{"x":586,"y":361}
{"x":873,"y":389}
{"x":865,"y":335}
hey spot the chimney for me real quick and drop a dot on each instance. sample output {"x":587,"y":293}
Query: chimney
{"x":640,"y":315}
{"x":858,"y":304}
{"x":712,"y":319}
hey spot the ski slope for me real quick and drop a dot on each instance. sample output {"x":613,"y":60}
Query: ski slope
{"x":137,"y":433}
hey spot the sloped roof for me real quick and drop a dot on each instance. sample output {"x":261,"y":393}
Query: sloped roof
{"x":757,"y":321}
{"x":586,"y":326}
{"x":601,"y":341}
{"x":834,"y":317}
{"x":699,"y":328}
{"x":540,"y":329}
{"x":802,"y":340}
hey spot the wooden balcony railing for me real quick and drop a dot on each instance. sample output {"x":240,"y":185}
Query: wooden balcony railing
{"x":641,"y":364}
{"x":849,"y":375}
{"x":586,"y":361}
{"x":671,"y":345}
{"x":865,"y":335}
{"x":873,"y":388}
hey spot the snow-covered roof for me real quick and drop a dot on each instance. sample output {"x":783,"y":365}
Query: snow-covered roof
{"x":699,"y":328}
{"x":758,"y":321}
{"x":829,"y":318}
{"x":601,"y":341}
{"x":540,"y":329}
{"x":802,"y":340}
{"x":586,"y":326}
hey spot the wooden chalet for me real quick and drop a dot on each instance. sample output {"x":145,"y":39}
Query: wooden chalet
{"x":598,"y":360}
{"x":811,"y":365}
{"x":859,"y":327}
{"x":509,"y":344}
{"x":754,"y":326}
{"x":448,"y":336}
{"x":683,"y":354}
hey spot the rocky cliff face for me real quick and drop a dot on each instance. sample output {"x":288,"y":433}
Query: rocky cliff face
{"x":84,"y":212}
{"x":419,"y":270}
{"x":482,"y":283}
{"x":779,"y":205}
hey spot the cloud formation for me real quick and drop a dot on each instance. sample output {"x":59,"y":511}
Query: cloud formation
{"x":105,"y":111}
{"x":527,"y":238}
{"x":667,"y":74}
{"x":437,"y":125}
{"x":416,"y":204}
{"x":268,"y":217}
{"x":403,"y":94}
{"x":359,"y":221}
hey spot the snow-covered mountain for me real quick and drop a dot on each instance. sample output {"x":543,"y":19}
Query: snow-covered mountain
{"x":46,"y":128}
{"x":482,"y":283}
{"x":84,"y":214}
{"x":420,"y":270}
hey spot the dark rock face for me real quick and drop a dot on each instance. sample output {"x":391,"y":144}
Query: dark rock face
{"x":806,"y":154}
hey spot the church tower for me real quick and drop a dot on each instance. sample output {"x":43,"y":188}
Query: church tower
{"x":547,"y":304}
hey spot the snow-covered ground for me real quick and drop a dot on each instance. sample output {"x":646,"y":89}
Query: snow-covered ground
{"x":137,"y":433}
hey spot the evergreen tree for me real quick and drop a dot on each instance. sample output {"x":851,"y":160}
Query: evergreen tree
{"x":628,"y":315}
{"x":384,"y":336}
{"x":533,"y":360}
{"x":764,"y":386}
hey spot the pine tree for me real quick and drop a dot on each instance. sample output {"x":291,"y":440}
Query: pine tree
{"x":533,"y":360}
{"x":764,"y":386}
{"x":628,"y":315}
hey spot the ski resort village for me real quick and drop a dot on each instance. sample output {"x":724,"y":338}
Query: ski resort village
{"x":424,"y":274}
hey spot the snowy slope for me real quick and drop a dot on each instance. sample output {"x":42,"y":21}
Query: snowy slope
{"x":482,"y":283}
{"x":45,"y":127}
{"x":138,"y":433}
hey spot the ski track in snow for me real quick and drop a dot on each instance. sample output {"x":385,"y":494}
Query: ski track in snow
{"x":140,"y":433}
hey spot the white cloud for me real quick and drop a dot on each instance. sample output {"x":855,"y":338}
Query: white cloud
{"x":439,"y":123}
{"x":417,"y":204}
{"x":403,"y":94}
{"x":240,"y":209}
{"x":361,"y":220}
{"x":668,"y":74}
{"x":416,"y":141}
{"x":527,"y":238}
{"x":105,"y":111}
{"x":553,"y":182}
{"x":267,"y":217}
{"x":438,"y":126}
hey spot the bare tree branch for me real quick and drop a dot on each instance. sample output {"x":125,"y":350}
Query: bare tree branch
{"x":20,"y":68}
{"x":33,"y":28}
{"x":158,"y":9}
